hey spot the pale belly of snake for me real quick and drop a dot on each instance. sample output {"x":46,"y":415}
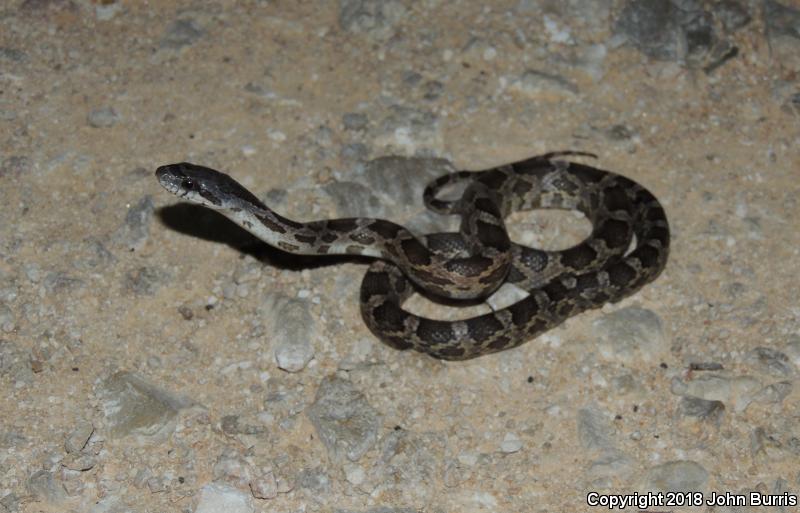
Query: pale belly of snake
{"x":475,"y":261}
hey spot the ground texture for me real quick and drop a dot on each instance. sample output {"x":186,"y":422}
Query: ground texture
{"x":154,"y":357}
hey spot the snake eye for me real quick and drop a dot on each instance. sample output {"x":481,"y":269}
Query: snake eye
{"x":187,"y":184}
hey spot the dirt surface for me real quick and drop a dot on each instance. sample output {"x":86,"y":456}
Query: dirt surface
{"x":154,"y":358}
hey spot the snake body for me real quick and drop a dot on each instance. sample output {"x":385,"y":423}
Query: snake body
{"x":473,"y":262}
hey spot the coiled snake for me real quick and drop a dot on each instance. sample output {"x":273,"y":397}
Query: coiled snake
{"x":474,"y":262}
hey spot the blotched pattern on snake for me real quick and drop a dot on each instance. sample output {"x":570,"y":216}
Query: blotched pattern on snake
{"x":473,"y":262}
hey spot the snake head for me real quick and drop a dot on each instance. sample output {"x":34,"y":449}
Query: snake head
{"x":206,"y":186}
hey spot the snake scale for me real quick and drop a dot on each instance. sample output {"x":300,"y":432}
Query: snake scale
{"x":473,"y":262}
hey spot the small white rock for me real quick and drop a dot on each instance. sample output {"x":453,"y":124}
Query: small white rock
{"x":276,"y":135}
{"x":222,"y":498}
{"x":294,"y":356}
{"x":354,"y":474}
{"x":468,"y":458}
{"x":264,"y":487}
{"x":511,"y":443}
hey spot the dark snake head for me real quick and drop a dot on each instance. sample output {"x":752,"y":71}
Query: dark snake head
{"x":206,"y":186}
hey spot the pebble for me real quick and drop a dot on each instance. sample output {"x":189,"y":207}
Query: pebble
{"x":284,"y":485}
{"x":260,"y":90}
{"x":58,"y":281}
{"x":343,"y":419}
{"x":677,"y":476}
{"x":276,"y":135}
{"x":102,"y":117}
{"x":247,"y":271}
{"x":541,"y":85}
{"x":246,"y":424}
{"x":702,"y":409}
{"x":511,"y":443}
{"x":77,"y":439}
{"x":232,"y":467}
{"x":144,"y":280}
{"x":375,"y":18}
{"x":79,"y":462}
{"x":738,"y":391}
{"x":759,"y":441}
{"x":631,"y":335}
{"x":43,"y":485}
{"x":135,"y":231}
{"x":663,"y":30}
{"x":315,"y":480}
{"x":293,"y":331}
{"x":774,"y":393}
{"x":264,"y":487}
{"x":771,"y":361}
{"x":157,"y":485}
{"x":594,"y":429}
{"x":223,"y":498}
{"x":133,"y":406}
{"x":186,"y":312}
{"x":354,"y":474}
{"x":181,"y":33}
{"x":229,"y":290}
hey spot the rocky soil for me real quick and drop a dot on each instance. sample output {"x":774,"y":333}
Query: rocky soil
{"x":154,"y":357}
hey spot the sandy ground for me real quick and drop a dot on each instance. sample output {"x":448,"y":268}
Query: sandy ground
{"x":151,"y":360}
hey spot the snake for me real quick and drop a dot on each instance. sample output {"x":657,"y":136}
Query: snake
{"x":627,"y":248}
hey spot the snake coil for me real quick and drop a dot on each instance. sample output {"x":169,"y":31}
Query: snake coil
{"x":473,"y":262}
